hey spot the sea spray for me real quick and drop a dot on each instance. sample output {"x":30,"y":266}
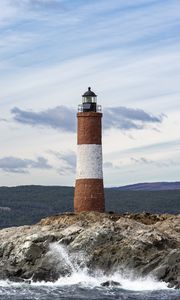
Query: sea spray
{"x":81,"y":284}
{"x":75,"y":261}
{"x":62,"y":256}
{"x":80,"y":274}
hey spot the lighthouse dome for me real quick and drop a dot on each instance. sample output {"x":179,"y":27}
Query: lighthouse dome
{"x":89,"y":93}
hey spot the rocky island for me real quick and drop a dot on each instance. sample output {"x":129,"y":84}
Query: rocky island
{"x":141,"y":244}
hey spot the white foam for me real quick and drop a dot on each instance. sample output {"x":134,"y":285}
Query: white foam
{"x":139,"y":284}
{"x":85,"y":280}
{"x":8,"y":283}
{"x":80,"y":275}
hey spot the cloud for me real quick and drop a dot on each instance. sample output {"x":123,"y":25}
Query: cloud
{"x":143,"y":160}
{"x":128,"y":118}
{"x":7,"y":12}
{"x":129,"y":54}
{"x":40,"y":163}
{"x":35,"y":5}
{"x":110,"y":165}
{"x":59,"y":117}
{"x":12,"y":164}
{"x":64,"y":118}
{"x":67,"y":161}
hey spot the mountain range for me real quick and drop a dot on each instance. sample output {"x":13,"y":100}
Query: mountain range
{"x":151,"y":186}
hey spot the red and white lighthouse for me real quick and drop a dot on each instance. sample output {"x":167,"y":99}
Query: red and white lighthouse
{"x":89,"y":189}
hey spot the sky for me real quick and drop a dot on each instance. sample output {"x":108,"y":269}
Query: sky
{"x":127,"y":51}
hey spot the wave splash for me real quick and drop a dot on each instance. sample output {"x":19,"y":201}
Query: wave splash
{"x":79,"y":274}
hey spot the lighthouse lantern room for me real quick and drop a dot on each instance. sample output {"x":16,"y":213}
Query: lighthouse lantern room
{"x":89,"y":102}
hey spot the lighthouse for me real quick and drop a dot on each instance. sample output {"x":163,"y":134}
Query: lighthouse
{"x":89,"y":189}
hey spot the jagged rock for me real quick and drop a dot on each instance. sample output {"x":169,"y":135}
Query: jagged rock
{"x":110,"y":283}
{"x":144,"y":244}
{"x":19,"y":279}
{"x":45,"y":274}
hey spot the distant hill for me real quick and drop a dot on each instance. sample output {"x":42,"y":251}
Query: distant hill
{"x":152,"y":186}
{"x":28,"y":204}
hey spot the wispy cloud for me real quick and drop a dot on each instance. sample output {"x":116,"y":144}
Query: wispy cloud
{"x":3,"y":120}
{"x":128,"y":51}
{"x":110,"y":165}
{"x":157,"y":163}
{"x":134,"y":24}
{"x":128,"y":118}
{"x":64,"y":118}
{"x":18,"y":165}
{"x":170,"y":146}
{"x":67,"y":161}
{"x":7,"y":12}
{"x":59,"y":117}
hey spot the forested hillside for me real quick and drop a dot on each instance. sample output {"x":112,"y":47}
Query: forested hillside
{"x":28,"y":204}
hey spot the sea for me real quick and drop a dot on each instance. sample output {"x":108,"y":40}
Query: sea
{"x":81,"y":284}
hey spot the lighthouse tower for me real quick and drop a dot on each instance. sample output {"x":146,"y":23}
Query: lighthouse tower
{"x":89,"y":190}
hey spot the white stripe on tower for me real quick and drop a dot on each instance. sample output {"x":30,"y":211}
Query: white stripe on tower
{"x":89,"y":161}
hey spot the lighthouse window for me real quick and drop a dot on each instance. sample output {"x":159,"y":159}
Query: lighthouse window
{"x":89,"y":99}
{"x":86,"y":105}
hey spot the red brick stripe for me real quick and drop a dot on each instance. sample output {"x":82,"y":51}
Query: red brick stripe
{"x":89,"y":128}
{"x":89,"y":195}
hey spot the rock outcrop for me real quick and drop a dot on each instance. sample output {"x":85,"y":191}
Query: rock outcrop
{"x":144,"y":244}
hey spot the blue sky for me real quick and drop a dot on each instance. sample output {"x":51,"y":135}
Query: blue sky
{"x":127,"y":51}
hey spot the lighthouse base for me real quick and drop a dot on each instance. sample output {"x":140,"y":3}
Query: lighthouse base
{"x":89,"y":195}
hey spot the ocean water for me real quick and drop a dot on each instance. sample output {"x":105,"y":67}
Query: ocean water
{"x":81,"y":285}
